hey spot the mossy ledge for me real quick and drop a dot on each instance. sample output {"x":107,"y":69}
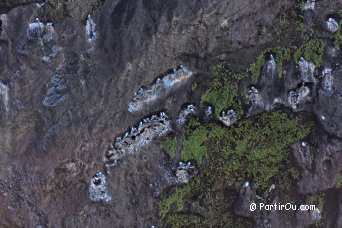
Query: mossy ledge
{"x":337,"y":36}
{"x":169,"y":145}
{"x":254,"y":150}
{"x":311,"y":50}
{"x":223,"y":92}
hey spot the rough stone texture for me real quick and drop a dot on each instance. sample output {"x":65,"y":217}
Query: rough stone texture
{"x":6,"y":5}
{"x":319,"y":173}
{"x":159,"y":90}
{"x":132,"y":142}
{"x":228,"y":118}
{"x":79,"y":9}
{"x":271,"y":218}
{"x":67,"y":99}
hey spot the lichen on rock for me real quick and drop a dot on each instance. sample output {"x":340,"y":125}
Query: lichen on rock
{"x":254,"y":96}
{"x":162,"y":87}
{"x":228,"y":117}
{"x":332,"y":25}
{"x":298,"y":97}
{"x":327,"y":81}
{"x":259,"y":146}
{"x":90,"y":29}
{"x":190,"y":109}
{"x":309,"y":5}
{"x":307,"y":69}
{"x":5,"y":96}
{"x":55,"y":93}
{"x":184,"y":172}
{"x":131,"y":142}
{"x":98,"y":189}
{"x":37,"y":30}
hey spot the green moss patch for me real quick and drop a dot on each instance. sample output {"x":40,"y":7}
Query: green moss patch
{"x":254,"y":150}
{"x":281,"y":54}
{"x":337,"y":36}
{"x":291,"y":19}
{"x":183,"y":221}
{"x":318,"y":200}
{"x":223,"y":91}
{"x":193,"y":148}
{"x":169,"y":145}
{"x":311,"y":50}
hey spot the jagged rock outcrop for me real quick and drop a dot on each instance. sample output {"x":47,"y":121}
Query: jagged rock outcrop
{"x":328,"y":107}
{"x":184,"y":114}
{"x":147,"y":131}
{"x":209,"y":111}
{"x":307,"y":70}
{"x":184,"y":172}
{"x":252,"y":206}
{"x":228,"y":117}
{"x":303,"y":156}
{"x":145,"y":96}
{"x":90,"y":29}
{"x":319,"y":172}
{"x":309,"y":5}
{"x":98,"y":189}
{"x":246,"y":198}
{"x":301,"y":97}
{"x":332,"y":25}
{"x":4,"y":95}
{"x":298,"y":97}
{"x":321,"y":166}
{"x":254,"y":97}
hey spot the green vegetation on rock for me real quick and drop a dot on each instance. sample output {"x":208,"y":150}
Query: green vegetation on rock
{"x":53,"y":2}
{"x":311,"y":50}
{"x":337,"y":36}
{"x":169,"y":145}
{"x":193,"y":148}
{"x":254,"y":150}
{"x":183,"y":221}
{"x":290,"y":24}
{"x":291,"y":18}
{"x":318,"y":200}
{"x":223,"y":91}
{"x":57,"y":9}
{"x":60,"y":9}
{"x":280,"y":54}
{"x":194,"y":87}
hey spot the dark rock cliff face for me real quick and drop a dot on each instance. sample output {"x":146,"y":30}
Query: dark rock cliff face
{"x":66,"y":80}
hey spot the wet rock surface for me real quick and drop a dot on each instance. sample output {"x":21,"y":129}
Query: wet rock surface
{"x":67,"y":75}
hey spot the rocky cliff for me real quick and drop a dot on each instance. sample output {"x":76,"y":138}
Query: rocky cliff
{"x":70,"y":69}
